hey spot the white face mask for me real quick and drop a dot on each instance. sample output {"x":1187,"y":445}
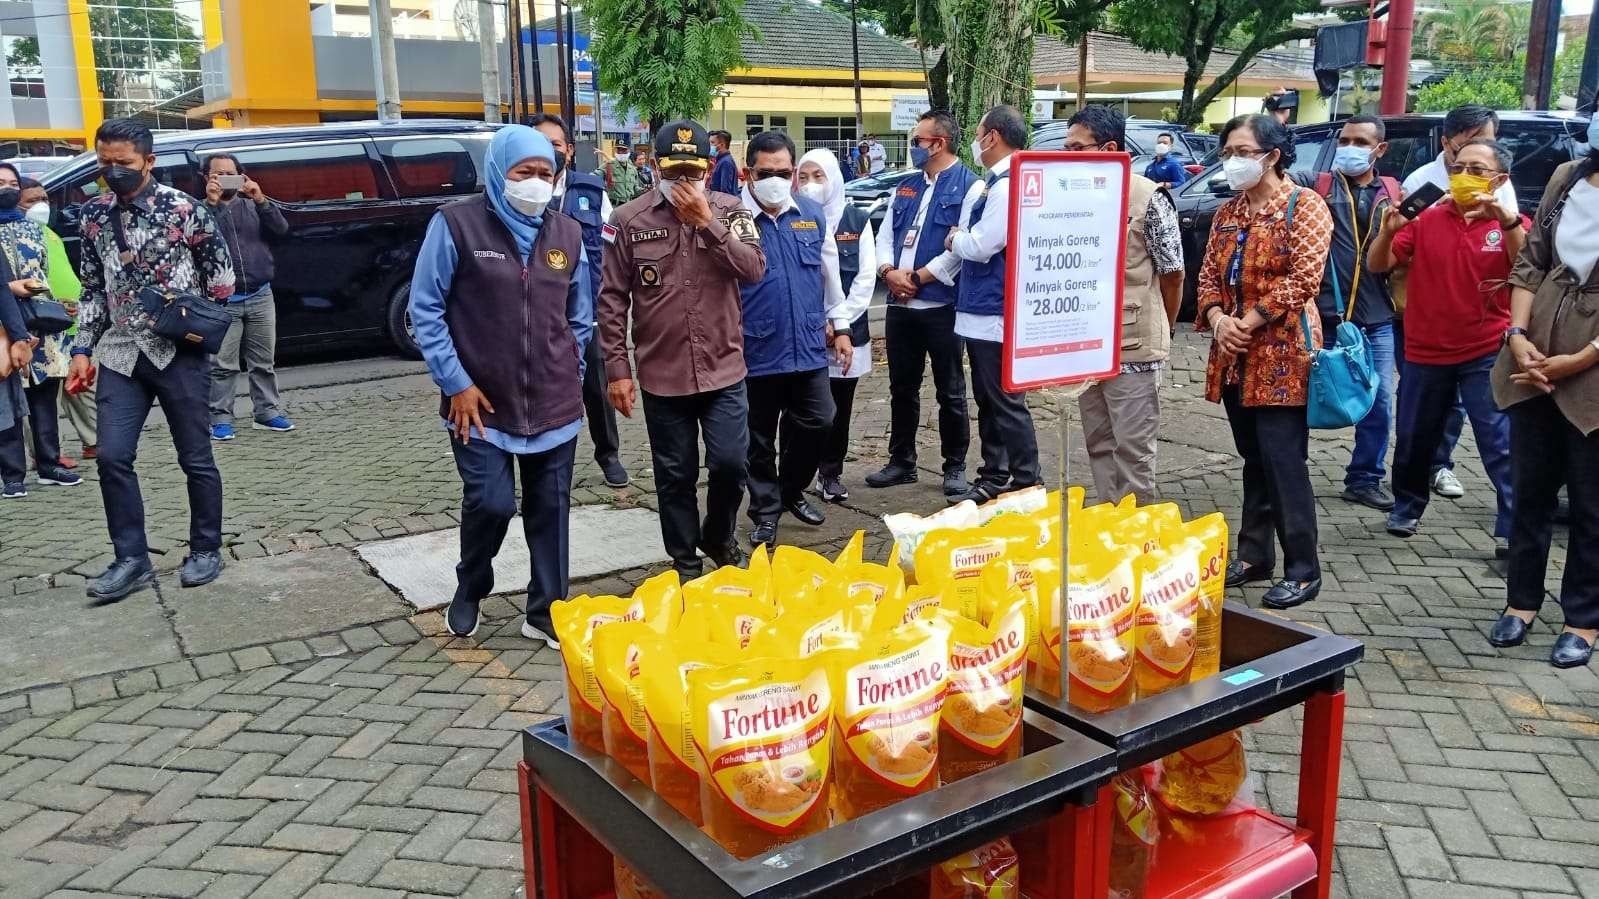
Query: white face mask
{"x":977,"y":151}
{"x":771,"y":191}
{"x":1243,"y":172}
{"x":665,"y":185}
{"x":38,"y":213}
{"x":1162,"y":149}
{"x":529,"y":196}
{"x":814,"y":190}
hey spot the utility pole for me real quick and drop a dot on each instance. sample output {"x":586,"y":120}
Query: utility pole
{"x":385,"y":72}
{"x":562,"y":87}
{"x":571,"y":67}
{"x":513,"y":37}
{"x":1082,"y":71}
{"x":533,"y":41}
{"x":1396,"y":58}
{"x":1544,"y":35}
{"x":855,"y":48}
{"x":490,"y":51}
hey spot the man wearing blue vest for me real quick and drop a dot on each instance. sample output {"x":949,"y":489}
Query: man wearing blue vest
{"x":791,"y":317}
{"x":1004,"y":425}
{"x":913,"y":258}
{"x":582,"y":197}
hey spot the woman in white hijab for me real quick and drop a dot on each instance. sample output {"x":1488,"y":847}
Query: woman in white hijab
{"x":818,"y":177}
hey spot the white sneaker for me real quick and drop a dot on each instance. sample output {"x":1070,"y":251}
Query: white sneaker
{"x":1444,"y":483}
{"x":533,"y":633}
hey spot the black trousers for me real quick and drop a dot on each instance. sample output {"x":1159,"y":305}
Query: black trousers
{"x":1004,"y":424}
{"x":676,"y":425}
{"x":488,"y":503}
{"x":1274,"y":442}
{"x":597,"y":404}
{"x":836,"y":446}
{"x":1546,"y":451}
{"x":44,"y":422}
{"x":122,"y":404}
{"x":912,"y":337}
{"x":801,"y":405}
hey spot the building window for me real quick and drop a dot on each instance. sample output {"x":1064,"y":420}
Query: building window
{"x":313,"y":173}
{"x":23,"y":68}
{"x":147,"y":58}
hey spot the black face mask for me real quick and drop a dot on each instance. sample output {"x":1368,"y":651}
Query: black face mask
{"x":122,"y":180}
{"x":229,"y":194}
{"x":9,"y":197}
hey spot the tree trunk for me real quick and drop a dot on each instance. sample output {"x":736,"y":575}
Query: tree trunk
{"x":938,"y":87}
{"x":990,"y":58}
{"x":1082,"y":72}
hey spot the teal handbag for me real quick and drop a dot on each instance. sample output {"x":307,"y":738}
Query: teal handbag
{"x":1343,"y":384}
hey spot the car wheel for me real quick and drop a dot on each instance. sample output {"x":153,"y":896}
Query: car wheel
{"x":401,"y":332}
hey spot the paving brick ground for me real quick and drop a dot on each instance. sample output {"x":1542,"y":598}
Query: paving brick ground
{"x":378,"y":761}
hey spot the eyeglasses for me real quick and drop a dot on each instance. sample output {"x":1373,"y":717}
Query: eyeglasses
{"x":1247,"y":152}
{"x":785,"y":174}
{"x":1479,"y":171}
{"x":920,"y":141}
{"x":1079,"y":148}
{"x":689,"y":172}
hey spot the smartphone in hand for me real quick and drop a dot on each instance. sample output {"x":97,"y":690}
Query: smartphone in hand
{"x":230,"y":182}
{"x":1424,"y":196}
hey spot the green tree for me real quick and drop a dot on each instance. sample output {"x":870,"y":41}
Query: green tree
{"x":1496,"y":88}
{"x":990,"y":57}
{"x":23,"y":51}
{"x":662,"y":58}
{"x":1568,"y":65}
{"x":1471,"y":31}
{"x":1193,"y":29}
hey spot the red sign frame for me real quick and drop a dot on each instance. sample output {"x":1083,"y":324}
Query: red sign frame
{"x":1018,"y":164}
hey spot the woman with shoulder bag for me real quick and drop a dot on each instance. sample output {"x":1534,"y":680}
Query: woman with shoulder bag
{"x":23,"y":244}
{"x":1257,"y":295}
{"x":1547,"y":380}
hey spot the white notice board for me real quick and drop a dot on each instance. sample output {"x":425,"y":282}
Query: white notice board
{"x":1064,"y":261}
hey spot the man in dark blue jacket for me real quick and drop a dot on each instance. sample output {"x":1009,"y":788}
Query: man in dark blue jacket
{"x":791,"y":317}
{"x":582,"y":197}
{"x":724,"y":175}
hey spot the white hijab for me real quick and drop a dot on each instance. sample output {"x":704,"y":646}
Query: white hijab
{"x":834,"y":205}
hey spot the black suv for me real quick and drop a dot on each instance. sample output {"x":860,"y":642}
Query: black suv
{"x":1539,"y":142}
{"x":357,"y":195}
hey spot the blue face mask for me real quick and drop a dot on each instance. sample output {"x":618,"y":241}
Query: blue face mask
{"x":919,"y":156}
{"x":1352,"y":161}
{"x":1593,"y":131}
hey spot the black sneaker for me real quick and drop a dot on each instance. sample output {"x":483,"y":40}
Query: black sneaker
{"x":200,"y":569}
{"x":765,"y":534}
{"x":979,"y":493}
{"x":462,"y":616}
{"x":14,"y":491}
{"x":1374,"y":496}
{"x":729,"y":556}
{"x":893,"y":475}
{"x":955,"y":482}
{"x":831,"y":490}
{"x":123,"y":578}
{"x":615,"y":474}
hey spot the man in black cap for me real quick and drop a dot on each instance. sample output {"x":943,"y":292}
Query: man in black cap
{"x":675,"y":259}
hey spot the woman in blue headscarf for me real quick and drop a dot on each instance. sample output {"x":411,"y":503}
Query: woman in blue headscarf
{"x":502,"y":308}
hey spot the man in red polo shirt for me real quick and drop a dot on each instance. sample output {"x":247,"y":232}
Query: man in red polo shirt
{"x":1460,"y":253}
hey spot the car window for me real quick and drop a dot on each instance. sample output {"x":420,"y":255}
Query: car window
{"x":313,"y":173}
{"x":1535,"y":154}
{"x":1407,"y":151}
{"x":172,"y":169}
{"x":1050,"y":137}
{"x":433,"y":166}
{"x":1143,"y":134}
{"x":1308,"y":147}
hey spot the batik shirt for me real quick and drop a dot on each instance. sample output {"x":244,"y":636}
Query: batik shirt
{"x":174,"y":244}
{"x":28,"y":255}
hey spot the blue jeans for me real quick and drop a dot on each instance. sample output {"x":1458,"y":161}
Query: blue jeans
{"x":1424,"y":408}
{"x":1371,"y":434}
{"x":1454,"y":426}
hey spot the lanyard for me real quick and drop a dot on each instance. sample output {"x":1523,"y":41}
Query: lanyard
{"x":1360,"y":242}
{"x":1235,"y":268}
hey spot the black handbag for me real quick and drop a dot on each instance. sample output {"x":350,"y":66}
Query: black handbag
{"x":45,"y":316}
{"x":190,"y":321}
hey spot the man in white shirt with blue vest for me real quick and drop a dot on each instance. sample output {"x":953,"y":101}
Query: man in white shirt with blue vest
{"x":1004,"y":424}
{"x":914,"y":261}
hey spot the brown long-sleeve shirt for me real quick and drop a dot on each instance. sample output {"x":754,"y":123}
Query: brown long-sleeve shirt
{"x":681,"y":283}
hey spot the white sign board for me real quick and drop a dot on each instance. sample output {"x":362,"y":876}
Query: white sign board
{"x":1063,"y":279}
{"x":908,"y":109}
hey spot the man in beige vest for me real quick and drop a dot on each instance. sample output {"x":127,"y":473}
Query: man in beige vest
{"x":1121,"y":416}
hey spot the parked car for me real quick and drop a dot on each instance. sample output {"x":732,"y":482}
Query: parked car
{"x":1538,"y":141}
{"x":1201,"y":143}
{"x":1141,"y":134}
{"x":357,"y":196}
{"x":873,"y":193}
{"x":37,"y":167}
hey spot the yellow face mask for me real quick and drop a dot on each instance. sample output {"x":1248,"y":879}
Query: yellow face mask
{"x":1464,"y":188}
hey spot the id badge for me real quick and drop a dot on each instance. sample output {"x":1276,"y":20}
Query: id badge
{"x":910,"y":237}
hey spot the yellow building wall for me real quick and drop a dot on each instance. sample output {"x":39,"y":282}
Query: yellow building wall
{"x":271,"y":64}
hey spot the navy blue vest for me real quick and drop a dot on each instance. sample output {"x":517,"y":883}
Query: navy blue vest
{"x":785,"y":322}
{"x":581,"y":201}
{"x":982,"y":284}
{"x":943,"y":213}
{"x":848,"y":238}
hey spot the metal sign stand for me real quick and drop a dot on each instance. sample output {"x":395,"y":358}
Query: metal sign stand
{"x":1066,"y":400}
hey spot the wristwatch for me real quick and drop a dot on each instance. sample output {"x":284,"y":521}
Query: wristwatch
{"x":1513,"y":224}
{"x":1512,"y":332}
{"x":916,"y":278}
